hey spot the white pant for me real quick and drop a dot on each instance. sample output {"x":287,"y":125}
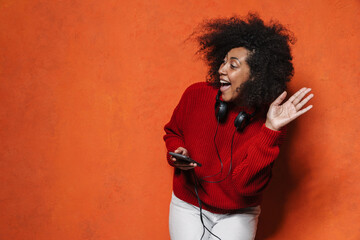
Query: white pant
{"x":185,"y":224}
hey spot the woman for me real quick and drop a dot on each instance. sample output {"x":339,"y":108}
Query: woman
{"x":236,"y":142}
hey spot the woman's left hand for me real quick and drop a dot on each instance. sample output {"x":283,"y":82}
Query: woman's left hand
{"x":280,"y":115}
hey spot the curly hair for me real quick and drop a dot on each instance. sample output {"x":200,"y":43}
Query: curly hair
{"x":269,"y":58}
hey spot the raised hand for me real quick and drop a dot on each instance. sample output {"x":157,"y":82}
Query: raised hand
{"x":280,"y":115}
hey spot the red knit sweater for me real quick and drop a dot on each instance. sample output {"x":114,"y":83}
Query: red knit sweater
{"x":193,"y":125}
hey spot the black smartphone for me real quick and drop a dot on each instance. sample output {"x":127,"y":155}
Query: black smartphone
{"x":184,"y":159}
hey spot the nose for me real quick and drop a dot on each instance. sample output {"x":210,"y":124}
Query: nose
{"x":222,"y":69}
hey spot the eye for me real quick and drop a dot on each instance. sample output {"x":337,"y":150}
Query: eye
{"x":233,"y":66}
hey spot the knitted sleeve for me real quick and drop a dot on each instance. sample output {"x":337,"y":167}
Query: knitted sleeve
{"x":174,"y":137}
{"x":253,"y":174}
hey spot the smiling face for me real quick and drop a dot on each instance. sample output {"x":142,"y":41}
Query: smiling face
{"x":233,"y":72}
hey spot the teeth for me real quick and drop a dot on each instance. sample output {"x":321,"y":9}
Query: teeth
{"x":224,"y":83}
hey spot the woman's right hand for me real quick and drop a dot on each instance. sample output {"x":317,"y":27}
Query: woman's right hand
{"x":182,"y":166}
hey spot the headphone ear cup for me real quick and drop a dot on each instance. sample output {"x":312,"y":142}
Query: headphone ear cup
{"x":241,"y":121}
{"x":220,"y":110}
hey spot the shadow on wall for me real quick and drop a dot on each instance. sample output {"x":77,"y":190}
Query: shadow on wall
{"x":282,"y":184}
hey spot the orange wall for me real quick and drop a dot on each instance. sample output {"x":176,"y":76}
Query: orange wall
{"x":86,"y":87}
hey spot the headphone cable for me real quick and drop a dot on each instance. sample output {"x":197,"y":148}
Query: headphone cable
{"x":196,"y":181}
{"x":232,"y":141}
{"x":200,"y":207}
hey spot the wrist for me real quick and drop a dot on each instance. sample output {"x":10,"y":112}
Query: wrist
{"x":270,"y":126}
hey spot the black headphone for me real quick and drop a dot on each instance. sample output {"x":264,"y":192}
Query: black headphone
{"x":241,"y":120}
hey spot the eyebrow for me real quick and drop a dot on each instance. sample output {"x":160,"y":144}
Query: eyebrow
{"x":233,"y":58}
{"x":236,"y":59}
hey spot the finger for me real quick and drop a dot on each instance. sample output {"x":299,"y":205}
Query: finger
{"x":301,"y":112}
{"x":292,"y":98}
{"x":181,"y":164}
{"x":184,"y":166}
{"x":182,"y":151}
{"x":280,"y":98}
{"x":301,"y":95}
{"x":187,"y":164}
{"x":303,"y":102}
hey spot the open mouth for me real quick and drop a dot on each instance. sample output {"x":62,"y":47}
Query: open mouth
{"x":224,"y":85}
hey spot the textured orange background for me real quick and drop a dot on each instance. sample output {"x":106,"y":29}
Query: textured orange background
{"x":86,"y":87}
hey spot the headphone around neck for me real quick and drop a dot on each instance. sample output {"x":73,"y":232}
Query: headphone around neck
{"x":242,"y":119}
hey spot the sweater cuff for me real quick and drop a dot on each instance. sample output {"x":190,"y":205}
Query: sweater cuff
{"x":174,"y":144}
{"x":171,"y":147}
{"x":269,"y":137}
